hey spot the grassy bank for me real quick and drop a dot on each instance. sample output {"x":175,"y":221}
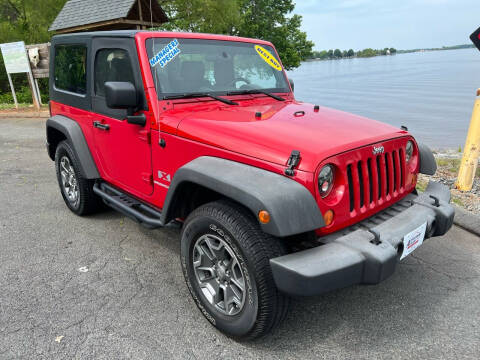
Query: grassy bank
{"x":447,"y":171}
{"x":21,"y":106}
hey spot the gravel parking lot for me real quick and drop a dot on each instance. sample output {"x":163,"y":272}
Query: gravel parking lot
{"x":105,"y":287}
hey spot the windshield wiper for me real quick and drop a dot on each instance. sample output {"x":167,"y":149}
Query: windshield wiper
{"x":255,"y":91}
{"x":194,"y":95}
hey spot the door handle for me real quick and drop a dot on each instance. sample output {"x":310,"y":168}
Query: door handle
{"x":101,"y":126}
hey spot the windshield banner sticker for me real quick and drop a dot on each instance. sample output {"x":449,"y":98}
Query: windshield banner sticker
{"x":268,"y":57}
{"x":166,"y":55}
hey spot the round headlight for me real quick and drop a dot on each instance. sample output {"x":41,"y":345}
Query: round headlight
{"x":325,"y":180}
{"x":409,"y":151}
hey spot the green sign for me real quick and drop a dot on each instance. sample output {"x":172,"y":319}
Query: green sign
{"x":15,"y":57}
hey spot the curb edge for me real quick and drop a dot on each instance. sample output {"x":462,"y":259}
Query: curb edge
{"x":467,"y":220}
{"x":25,"y":116}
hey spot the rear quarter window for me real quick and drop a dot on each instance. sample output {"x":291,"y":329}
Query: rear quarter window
{"x":70,"y":68}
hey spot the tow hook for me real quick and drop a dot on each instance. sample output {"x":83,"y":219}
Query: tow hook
{"x":292,"y":162}
{"x":376,"y":238}
{"x":436,"y":201}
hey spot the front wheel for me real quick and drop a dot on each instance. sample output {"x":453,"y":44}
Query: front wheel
{"x":225,"y":260}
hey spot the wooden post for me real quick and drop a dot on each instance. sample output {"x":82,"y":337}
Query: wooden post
{"x":33,"y":87}
{"x":471,"y":152}
{"x":13,"y":90}
{"x":38,"y":92}
{"x":31,"y":83}
{"x":140,"y":15}
{"x":139,"y":2}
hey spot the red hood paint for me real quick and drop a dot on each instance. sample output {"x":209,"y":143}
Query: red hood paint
{"x":281,"y":129}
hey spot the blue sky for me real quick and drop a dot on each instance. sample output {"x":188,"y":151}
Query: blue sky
{"x":403,"y":24}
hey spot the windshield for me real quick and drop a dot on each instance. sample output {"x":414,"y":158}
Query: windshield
{"x":182,"y":66}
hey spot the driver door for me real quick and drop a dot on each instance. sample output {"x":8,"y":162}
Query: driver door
{"x":123,"y":149}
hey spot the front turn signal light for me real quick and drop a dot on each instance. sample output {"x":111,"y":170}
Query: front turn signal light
{"x":328,"y":217}
{"x":264,"y":216}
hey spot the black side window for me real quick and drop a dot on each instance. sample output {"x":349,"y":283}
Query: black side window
{"x":112,"y":65}
{"x":71,"y":68}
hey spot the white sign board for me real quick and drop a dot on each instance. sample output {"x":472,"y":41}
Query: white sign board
{"x":16,"y":61}
{"x":15,"y":57}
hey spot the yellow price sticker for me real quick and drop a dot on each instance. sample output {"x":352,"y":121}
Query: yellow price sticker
{"x":268,"y":57}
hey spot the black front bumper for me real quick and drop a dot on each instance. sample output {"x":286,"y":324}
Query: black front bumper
{"x":368,"y":254}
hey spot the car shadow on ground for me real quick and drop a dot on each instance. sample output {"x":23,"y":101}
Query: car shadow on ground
{"x":405,"y":306}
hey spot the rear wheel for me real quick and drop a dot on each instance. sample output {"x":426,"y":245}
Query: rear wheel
{"x":77,"y":191}
{"x":225,"y":259}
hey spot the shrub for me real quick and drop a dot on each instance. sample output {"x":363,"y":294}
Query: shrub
{"x":24,"y":95}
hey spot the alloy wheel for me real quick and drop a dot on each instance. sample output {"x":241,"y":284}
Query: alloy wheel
{"x":219,"y":274}
{"x":69,"y":181}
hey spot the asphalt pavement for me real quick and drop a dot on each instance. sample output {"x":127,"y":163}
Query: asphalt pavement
{"x":104,"y":287}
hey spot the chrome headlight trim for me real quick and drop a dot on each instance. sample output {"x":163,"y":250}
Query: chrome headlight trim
{"x":409,"y":150}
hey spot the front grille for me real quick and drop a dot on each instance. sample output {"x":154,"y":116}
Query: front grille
{"x":376,"y":179}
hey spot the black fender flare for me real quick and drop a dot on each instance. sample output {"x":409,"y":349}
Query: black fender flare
{"x":293,"y":209}
{"x":74,"y":134}
{"x":428,"y":165}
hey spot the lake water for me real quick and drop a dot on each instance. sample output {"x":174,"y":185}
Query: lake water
{"x":432,"y":93}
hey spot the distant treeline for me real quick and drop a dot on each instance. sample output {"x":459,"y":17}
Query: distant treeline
{"x":346,"y":54}
{"x":342,"y":54}
{"x":454,"y":47}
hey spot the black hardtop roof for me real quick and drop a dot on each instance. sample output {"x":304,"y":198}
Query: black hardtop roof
{"x":85,"y":36}
{"x":92,"y":34}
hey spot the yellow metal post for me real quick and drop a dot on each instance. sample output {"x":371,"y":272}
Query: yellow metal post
{"x":471,"y":151}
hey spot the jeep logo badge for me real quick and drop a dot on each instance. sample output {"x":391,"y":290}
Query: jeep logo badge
{"x":378,"y":150}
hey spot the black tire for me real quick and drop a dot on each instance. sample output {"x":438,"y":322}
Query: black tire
{"x":86,"y":202}
{"x":266,"y":306}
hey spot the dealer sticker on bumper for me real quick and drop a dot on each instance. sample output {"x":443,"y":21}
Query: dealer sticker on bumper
{"x":413,"y":240}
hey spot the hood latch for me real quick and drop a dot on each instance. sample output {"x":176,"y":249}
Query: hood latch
{"x":292,"y":162}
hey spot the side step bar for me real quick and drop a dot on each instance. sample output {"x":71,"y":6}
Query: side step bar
{"x":129,"y":206}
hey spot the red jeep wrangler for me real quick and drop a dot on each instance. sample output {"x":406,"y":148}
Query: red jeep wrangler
{"x":276,"y":197}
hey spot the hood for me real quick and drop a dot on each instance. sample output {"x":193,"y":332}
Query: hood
{"x":283,"y":127}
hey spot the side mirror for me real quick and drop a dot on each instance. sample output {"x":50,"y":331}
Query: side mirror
{"x":292,"y":84}
{"x":123,"y":95}
{"x":120,"y":95}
